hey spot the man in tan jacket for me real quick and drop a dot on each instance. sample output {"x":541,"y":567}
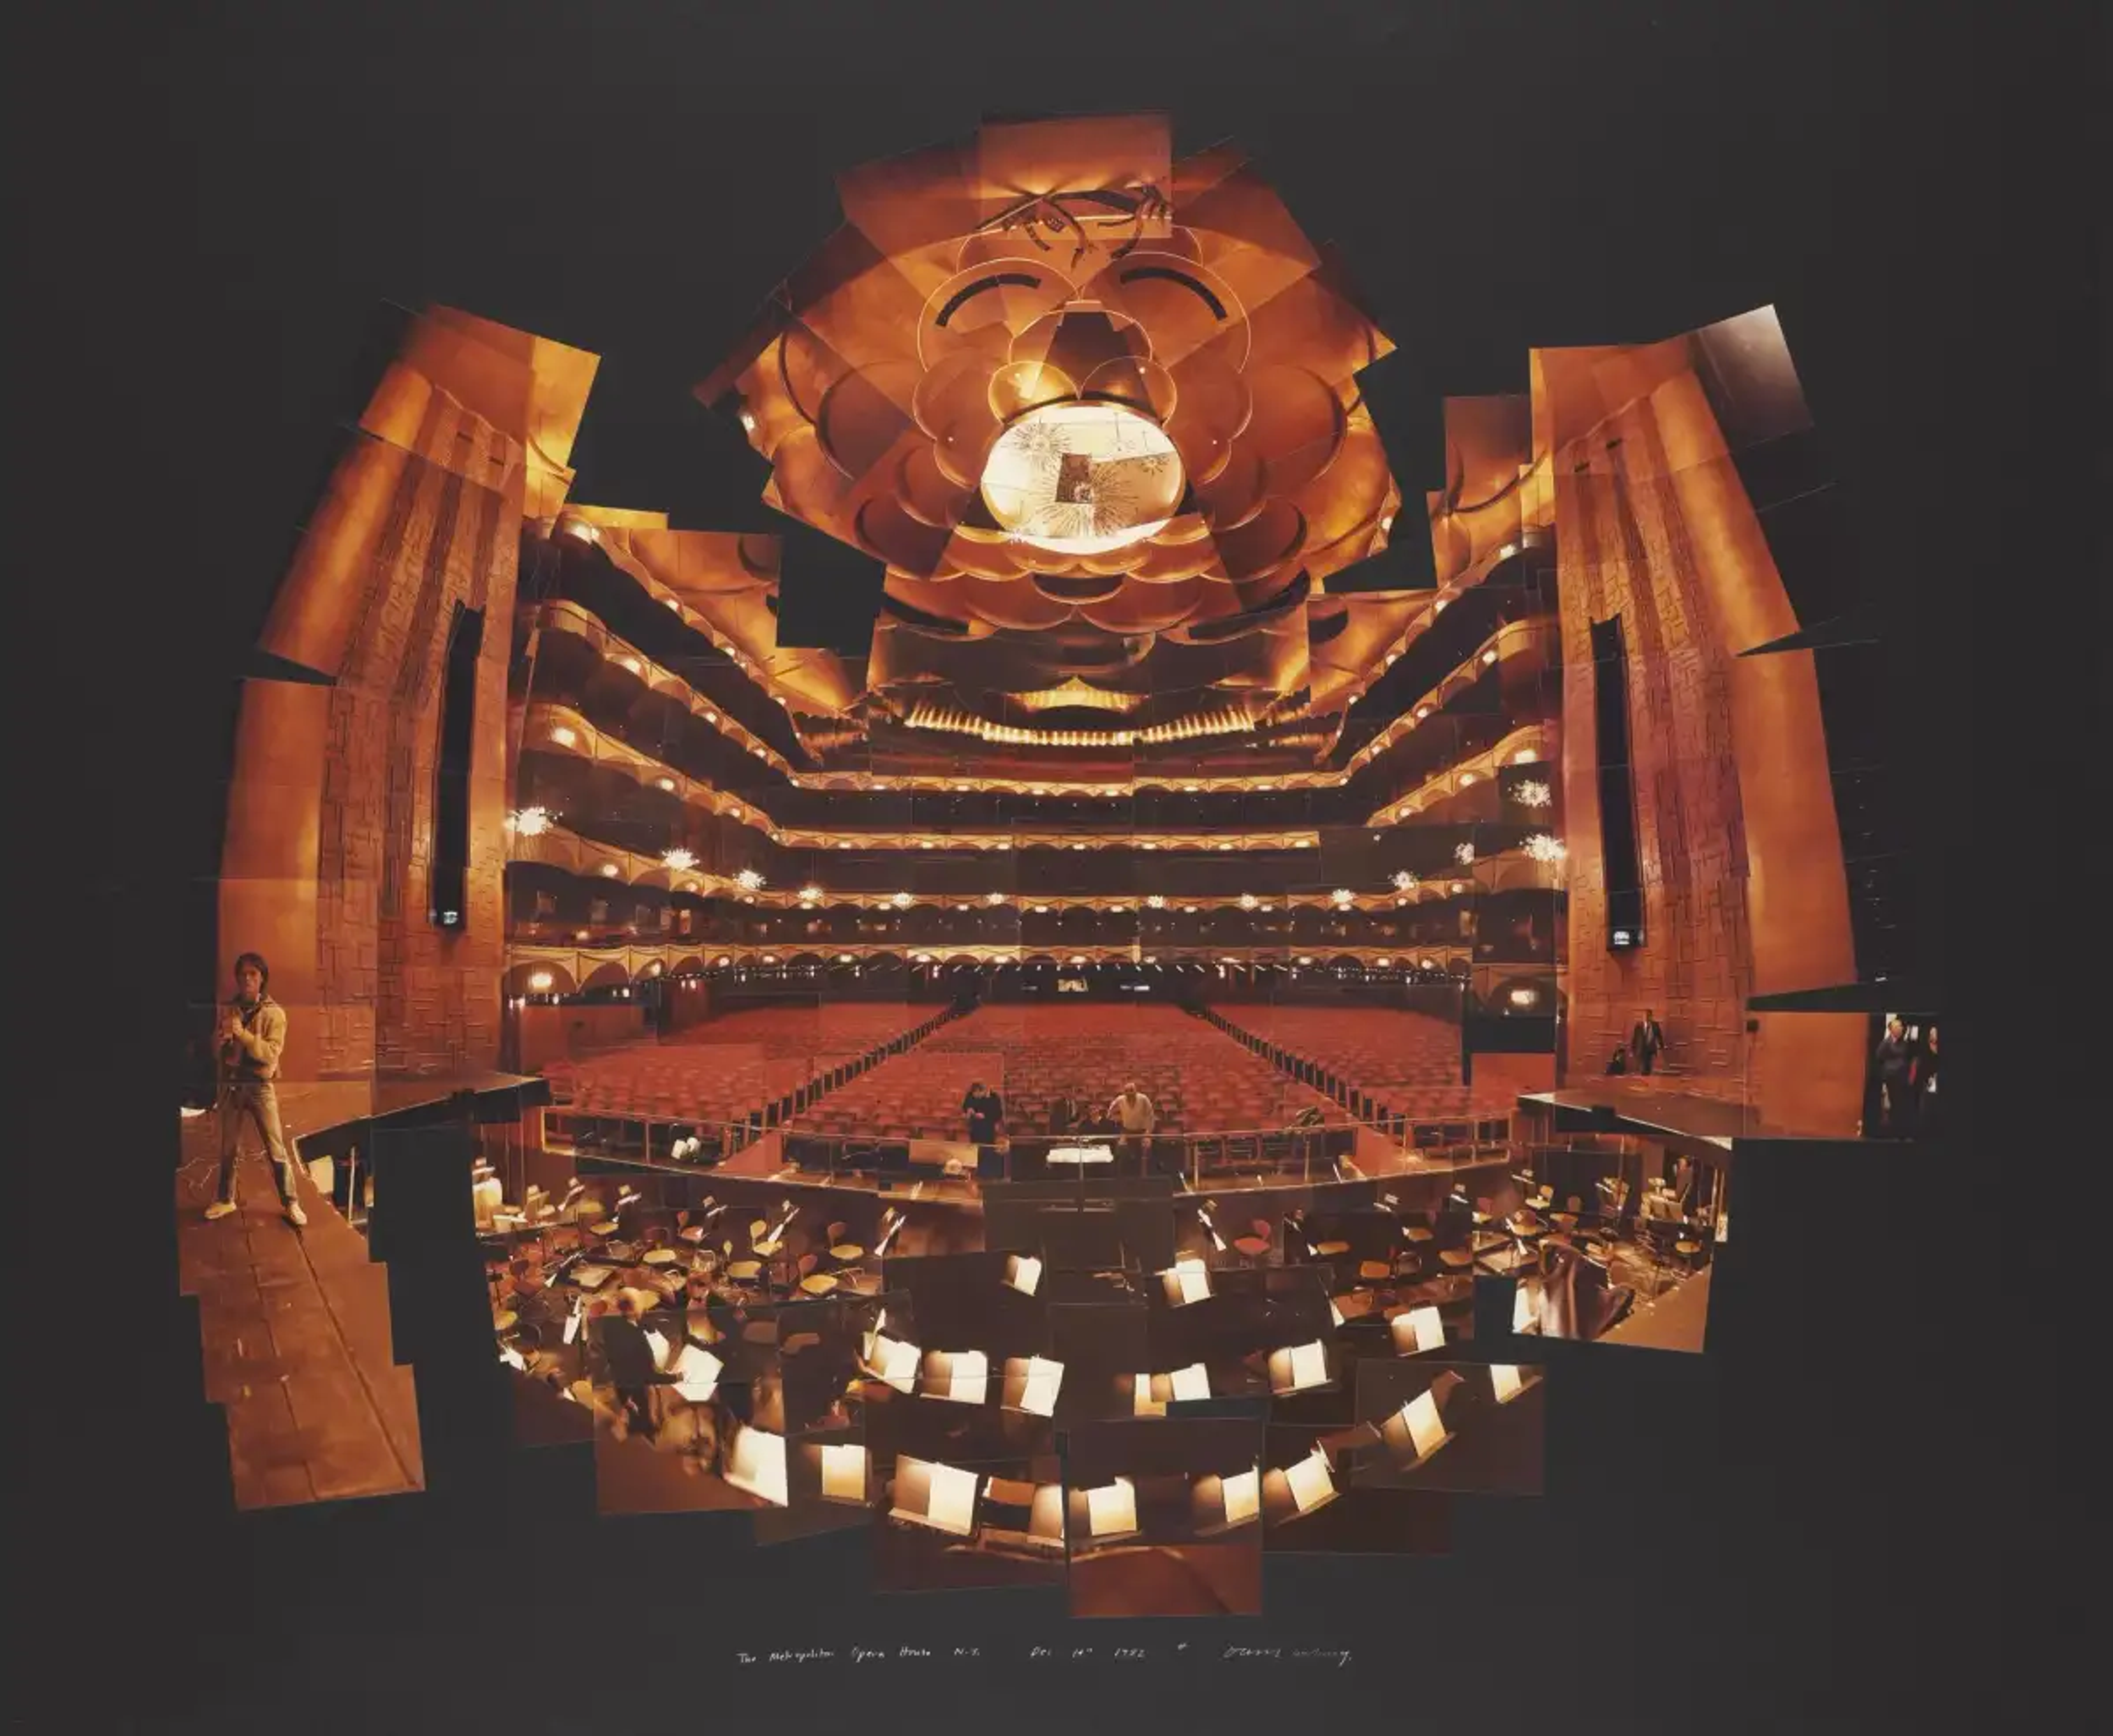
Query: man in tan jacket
{"x":252,"y":1033}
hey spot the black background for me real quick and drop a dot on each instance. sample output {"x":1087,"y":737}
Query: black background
{"x":210,"y":201}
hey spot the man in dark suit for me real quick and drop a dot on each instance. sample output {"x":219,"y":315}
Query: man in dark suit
{"x":1647,"y":1042}
{"x":1895,"y":1059}
{"x":629,"y":1353}
{"x":1066,"y":1114}
{"x":1925,"y":1086}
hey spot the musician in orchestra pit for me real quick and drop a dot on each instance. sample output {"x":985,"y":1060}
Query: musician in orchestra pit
{"x":632,"y":1372}
{"x":251,"y":1036}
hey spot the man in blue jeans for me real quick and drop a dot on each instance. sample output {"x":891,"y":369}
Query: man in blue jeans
{"x":252,"y":1033}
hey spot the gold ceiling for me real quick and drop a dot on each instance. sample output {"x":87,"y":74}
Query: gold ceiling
{"x":1095,"y":410}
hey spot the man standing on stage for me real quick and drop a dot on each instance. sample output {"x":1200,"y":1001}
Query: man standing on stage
{"x":252,"y":1033}
{"x":1896,"y":1060}
{"x":1132,"y":1112}
{"x":1647,"y":1042}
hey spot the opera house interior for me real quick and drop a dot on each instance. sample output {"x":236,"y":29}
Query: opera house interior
{"x":1124,"y":992}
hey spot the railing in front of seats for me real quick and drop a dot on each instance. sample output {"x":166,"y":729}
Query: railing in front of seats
{"x":941,"y":1167}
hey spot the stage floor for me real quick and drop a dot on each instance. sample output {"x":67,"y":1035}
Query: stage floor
{"x":295,"y":1331}
{"x":1648,"y":1108}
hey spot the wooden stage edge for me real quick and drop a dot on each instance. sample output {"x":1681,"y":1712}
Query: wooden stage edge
{"x":295,"y":1327}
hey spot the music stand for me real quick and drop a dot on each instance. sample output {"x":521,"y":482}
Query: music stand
{"x":1078,"y":1157}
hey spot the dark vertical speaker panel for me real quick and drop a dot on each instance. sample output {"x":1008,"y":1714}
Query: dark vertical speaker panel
{"x":450,"y":904}
{"x":1618,"y":800}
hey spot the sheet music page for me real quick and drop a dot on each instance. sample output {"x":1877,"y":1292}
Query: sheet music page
{"x":1112,"y":1511}
{"x":1311,"y":1482}
{"x":1243,"y":1496}
{"x":952,"y":1505}
{"x":969,"y":1381}
{"x":1429,"y":1327}
{"x":1044,"y":1377}
{"x":843,"y":1472}
{"x":697,"y":1373}
{"x":1427,"y":1429}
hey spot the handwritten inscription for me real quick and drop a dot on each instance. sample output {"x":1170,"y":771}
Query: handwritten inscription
{"x":1336,"y":1656}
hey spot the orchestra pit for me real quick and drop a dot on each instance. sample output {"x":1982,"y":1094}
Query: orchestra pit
{"x":1091,"y":1003}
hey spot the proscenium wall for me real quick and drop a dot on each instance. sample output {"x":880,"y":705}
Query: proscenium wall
{"x":329,"y":838}
{"x":1744,"y":889}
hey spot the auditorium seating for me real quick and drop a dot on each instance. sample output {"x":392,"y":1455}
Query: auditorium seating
{"x":733,"y":1067}
{"x":1408,"y":1063}
{"x":1198,"y":1079}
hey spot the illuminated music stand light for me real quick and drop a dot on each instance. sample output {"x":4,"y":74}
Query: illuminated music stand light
{"x":894,"y":1362}
{"x":844,"y":1473}
{"x":1299,"y":1368}
{"x":1111,"y":1510}
{"x":1508,"y":1380}
{"x":1031,"y":1385}
{"x":1312,"y":1483}
{"x":1418,"y":1330}
{"x":1526,"y":1312}
{"x":947,"y":1502}
{"x":958,"y":1377}
{"x":1023,"y":1272}
{"x":1417,"y":1430}
{"x":1186,"y":1281}
{"x":757,"y":1466}
{"x":1243,"y":1497}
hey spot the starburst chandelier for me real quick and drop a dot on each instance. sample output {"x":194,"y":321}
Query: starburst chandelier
{"x":1533,"y":794}
{"x":749,"y":880}
{"x":1155,"y":901}
{"x":1406,"y":882}
{"x":1543,"y":848}
{"x":529,"y":822}
{"x":1343,"y":897}
{"x":681,"y":860}
{"x":811,"y":895}
{"x":1249,"y":901}
{"x":901,"y":901}
{"x":1464,"y":855}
